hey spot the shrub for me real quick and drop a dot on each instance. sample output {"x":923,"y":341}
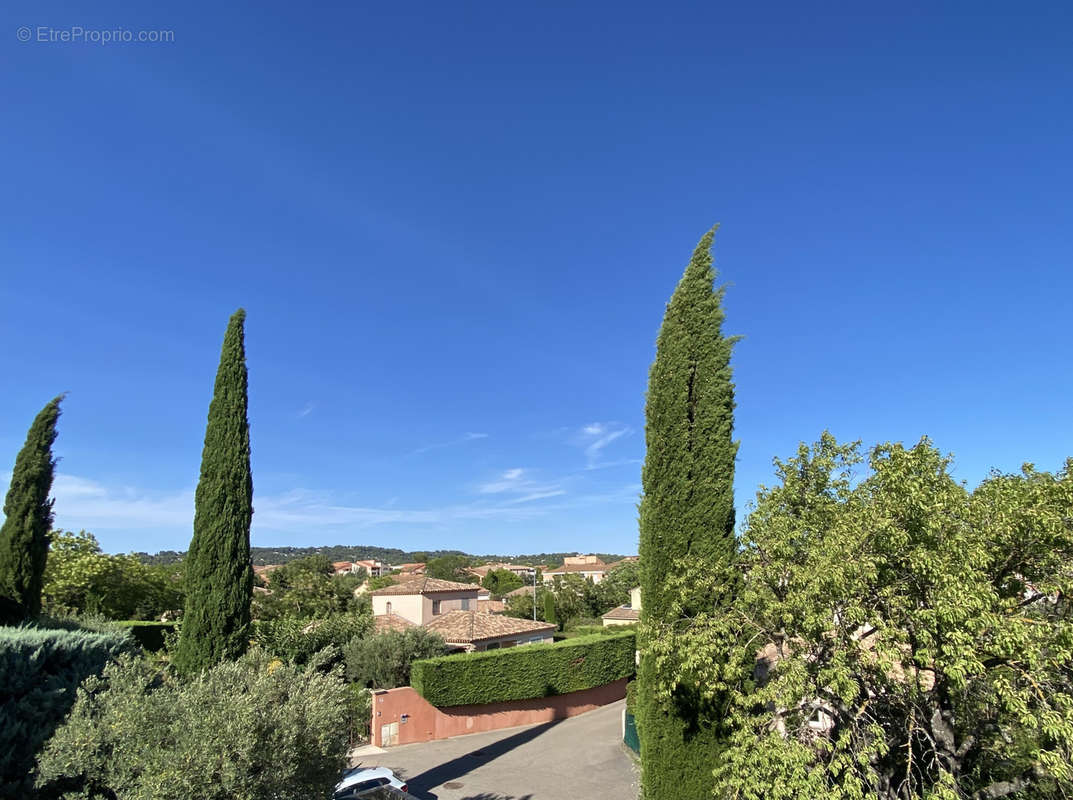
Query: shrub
{"x":149,"y":635}
{"x":598,"y":629}
{"x":520,"y":673}
{"x":245,"y":730}
{"x":362,"y":713}
{"x":39,"y":673}
{"x":383,"y":661}
{"x":296,"y":640}
{"x":631,"y":696}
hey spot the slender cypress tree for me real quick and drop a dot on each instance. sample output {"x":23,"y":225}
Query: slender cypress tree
{"x":686,"y":512}
{"x":549,"y":609}
{"x":219,"y":578}
{"x":28,"y":519}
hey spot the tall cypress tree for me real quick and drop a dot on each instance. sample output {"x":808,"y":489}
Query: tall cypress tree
{"x":28,"y":519}
{"x":686,"y":512}
{"x":219,"y":578}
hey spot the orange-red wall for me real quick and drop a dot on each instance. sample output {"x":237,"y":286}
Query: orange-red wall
{"x":424,"y":722}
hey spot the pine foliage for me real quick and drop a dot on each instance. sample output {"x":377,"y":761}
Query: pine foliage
{"x":219,"y":578}
{"x":687,"y":512}
{"x":39,"y":673}
{"x":28,"y":519}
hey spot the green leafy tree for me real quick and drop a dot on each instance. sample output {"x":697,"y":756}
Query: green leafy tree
{"x":308,"y":588}
{"x":521,"y":605}
{"x":384,"y":660}
{"x":28,"y":519}
{"x":614,"y":589}
{"x":80,"y":579}
{"x":243,"y":730}
{"x":219,"y":578}
{"x":500,"y":581}
{"x":299,"y":639}
{"x":450,"y":568}
{"x":381,"y":582}
{"x":687,"y":511}
{"x":895,"y":636}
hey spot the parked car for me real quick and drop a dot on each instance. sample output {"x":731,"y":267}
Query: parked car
{"x":363,"y":779}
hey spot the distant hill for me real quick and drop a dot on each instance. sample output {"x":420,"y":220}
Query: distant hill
{"x":390,"y":555}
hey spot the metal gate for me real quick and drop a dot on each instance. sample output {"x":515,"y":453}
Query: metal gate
{"x":629,"y":734}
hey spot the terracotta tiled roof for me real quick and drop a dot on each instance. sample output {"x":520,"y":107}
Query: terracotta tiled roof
{"x":425,"y":586}
{"x":519,"y":591}
{"x":623,"y":612}
{"x":491,"y":606}
{"x":464,"y":627}
{"x":390,"y":622}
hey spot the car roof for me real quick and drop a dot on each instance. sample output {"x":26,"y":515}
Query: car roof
{"x":364,"y":774}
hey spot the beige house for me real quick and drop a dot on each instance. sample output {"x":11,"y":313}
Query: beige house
{"x":452,"y":610}
{"x":585,"y":566}
{"x":627,"y":614}
{"x":421,"y":599}
{"x":372,"y":566}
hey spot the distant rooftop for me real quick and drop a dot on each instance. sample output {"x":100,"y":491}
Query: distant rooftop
{"x":425,"y":586}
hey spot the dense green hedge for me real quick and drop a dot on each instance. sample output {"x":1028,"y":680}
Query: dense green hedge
{"x":149,"y":635}
{"x":520,"y":673}
{"x":39,"y":673}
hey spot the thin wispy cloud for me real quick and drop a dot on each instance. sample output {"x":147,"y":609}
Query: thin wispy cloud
{"x":528,"y":498}
{"x":306,"y":410}
{"x":84,"y":503}
{"x":517,"y":482}
{"x":467,"y":437}
{"x":596,"y":436}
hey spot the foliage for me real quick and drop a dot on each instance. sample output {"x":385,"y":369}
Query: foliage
{"x":150,"y":635}
{"x":80,"y":579}
{"x":381,"y":582}
{"x":896,"y":636}
{"x":500,"y":581}
{"x":521,"y":605}
{"x":39,"y":672}
{"x":549,"y":609}
{"x":219,"y":579}
{"x":308,"y":588}
{"x":298,"y":639}
{"x":614,"y":590}
{"x":384,"y":660}
{"x":520,"y":673}
{"x":451,"y":568}
{"x":243,"y":730}
{"x":686,"y":512}
{"x":28,"y":519}
{"x":361,"y":720}
{"x":599,"y":629}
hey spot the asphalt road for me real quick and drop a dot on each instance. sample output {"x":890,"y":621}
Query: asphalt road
{"x":582,"y":757}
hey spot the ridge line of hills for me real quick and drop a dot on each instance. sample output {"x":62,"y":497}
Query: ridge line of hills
{"x":390,"y":555}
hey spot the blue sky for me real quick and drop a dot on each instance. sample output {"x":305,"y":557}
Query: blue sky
{"x":455,"y":227}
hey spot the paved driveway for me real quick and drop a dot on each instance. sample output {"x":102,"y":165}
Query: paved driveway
{"x":580,"y":757}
